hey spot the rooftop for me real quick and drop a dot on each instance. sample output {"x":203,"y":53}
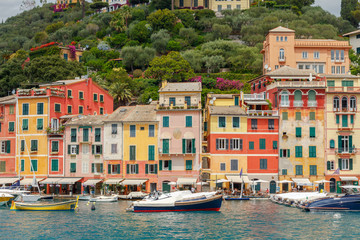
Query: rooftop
{"x":86,"y":120}
{"x":352,"y":33}
{"x":8,"y":99}
{"x":282,"y":29}
{"x":226,"y":110}
{"x":221,"y":96}
{"x":341,"y":76}
{"x":141,"y":113}
{"x":287,"y":71}
{"x":182,"y":87}
{"x":119,"y":114}
{"x":63,"y":82}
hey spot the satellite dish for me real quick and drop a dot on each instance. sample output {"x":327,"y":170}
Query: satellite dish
{"x":214,"y":98}
{"x":150,"y":100}
{"x":269,"y":69}
{"x":266,"y":66}
{"x":211,"y":102}
{"x":13,"y":91}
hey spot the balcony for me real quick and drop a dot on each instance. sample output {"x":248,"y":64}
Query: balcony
{"x":344,"y":110}
{"x":345,"y":151}
{"x":312,"y":104}
{"x":262,"y":113}
{"x":179,"y":107}
{"x":255,"y":96}
{"x":41,"y":92}
{"x":55,"y":131}
{"x":284,"y":104}
{"x":282,"y":59}
{"x":343,"y":89}
{"x":298,"y":103}
{"x":297,"y":84}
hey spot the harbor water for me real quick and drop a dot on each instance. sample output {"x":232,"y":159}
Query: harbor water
{"x":254,"y":219}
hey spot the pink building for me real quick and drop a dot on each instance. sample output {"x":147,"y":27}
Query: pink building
{"x":180,"y":134}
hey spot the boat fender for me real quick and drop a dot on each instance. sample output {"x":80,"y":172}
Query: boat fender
{"x":93,"y":206}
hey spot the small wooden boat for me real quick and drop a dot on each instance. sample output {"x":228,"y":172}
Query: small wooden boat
{"x":105,"y":199}
{"x":56,"y":206}
{"x":5,"y":198}
{"x":236,"y":198}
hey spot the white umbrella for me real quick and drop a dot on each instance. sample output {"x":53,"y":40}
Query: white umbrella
{"x":172,"y":183}
{"x":222,"y":181}
{"x":322,"y":181}
{"x":284,"y":181}
{"x":260,"y":181}
{"x":202,"y":183}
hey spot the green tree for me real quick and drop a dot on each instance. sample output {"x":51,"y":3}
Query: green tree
{"x":221,"y":31}
{"x":161,"y":4}
{"x":194,"y":58}
{"x":137,"y":56}
{"x":98,"y":5}
{"x":162,"y":19}
{"x":140,"y":31}
{"x":172,"y":67}
{"x":347,"y":6}
{"x":189,"y":35}
{"x":41,"y":37}
{"x":160,"y":40}
{"x":186,"y":16}
{"x":121,"y":93}
{"x":213,"y":62}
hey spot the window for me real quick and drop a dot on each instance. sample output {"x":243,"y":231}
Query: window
{"x":55,"y":165}
{"x":284,"y":99}
{"x":284,"y":116}
{"x":55,"y":146}
{"x":85,"y":149}
{"x":312,"y":132}
{"x":40,"y":108}
{"x":284,"y":152}
{"x":22,"y":145}
{"x":342,"y":55}
{"x":95,"y":96}
{"x":165,"y":165}
{"x":337,"y":54}
{"x":254,"y":124}
{"x":96,"y":149}
{"x":97,"y":168}
{"x":188,"y":100}
{"x":132,"y":153}
{"x":332,"y":55}
{"x":234,"y":165}
{"x":172,"y":101}
{"x":299,"y":170}
{"x":304,"y":55}
{"x":57,"y":107}
{"x":69,"y":109}
{"x":188,"y":120}
{"x":271,"y":124}
{"x":275,"y":144}
{"x":22,"y":165}
{"x":347,"y":83}
{"x":331,"y":83}
{"x":101,"y":98}
{"x":336,"y":103}
{"x":151,"y":130}
{"x":181,"y":4}
{"x":345,"y":121}
{"x":236,"y":101}
{"x":222,"y":167}
{"x":25,"y":124}
{"x":312,"y":151}
{"x":34,"y":145}
{"x":132,"y":131}
{"x":332,"y":143}
{"x":342,"y":69}
{"x":81,"y":95}
{"x":330,"y":165}
{"x":73,"y":149}
{"x":25,"y":109}
{"x":283,"y":171}
{"x":114,"y":128}
{"x":85,"y":134}
{"x":40,"y":124}
{"x":113,"y":168}
{"x":188,"y":146}
{"x":151,"y":152}
{"x":66,"y":56}
{"x":165,"y":148}
{"x":12,"y":109}
{"x":101,"y":112}
{"x":352,"y":119}
{"x":72,"y":167}
{"x":222,"y":122}
{"x":251,"y":145}
{"x":228,"y":7}
{"x":298,"y":151}
{"x":222,"y":144}
{"x":262,"y":143}
{"x":188,"y":164}
{"x":69,"y":93}
{"x":73,"y":135}
{"x":81,"y":109}
{"x":316,"y":55}
{"x":332,"y":69}
{"x":346,"y":164}
{"x":165,"y":121}
{"x":313,"y":170}
{"x":281,"y":55}
{"x":298,"y":132}
{"x":298,"y":116}
{"x":312,"y":115}
{"x":352,"y":103}
{"x":236,"y":122}
{"x":113,"y":148}
{"x":5,"y":146}
{"x":263,"y":164}
{"x":345,"y":144}
{"x":34,"y":165}
{"x":236,"y":144}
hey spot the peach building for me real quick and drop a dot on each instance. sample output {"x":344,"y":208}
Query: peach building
{"x":324,"y":56}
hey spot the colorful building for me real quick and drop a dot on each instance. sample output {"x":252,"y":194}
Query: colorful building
{"x":354,"y":40}
{"x":7,"y":136}
{"x":214,"y":5}
{"x":299,"y":96}
{"x":324,"y":56}
{"x":180,"y":134}
{"x":342,"y":132}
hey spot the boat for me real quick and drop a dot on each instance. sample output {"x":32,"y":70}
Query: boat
{"x":178,"y":201}
{"x":133,"y":195}
{"x":296,"y":199}
{"x":235,"y":198}
{"x":349,"y":202}
{"x":5,"y":198}
{"x":24,"y":197}
{"x":105,"y":199}
{"x":54,"y":206}
{"x":84,"y":198}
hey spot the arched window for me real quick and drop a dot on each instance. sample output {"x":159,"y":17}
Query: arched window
{"x":332,"y":143}
{"x":298,"y":98}
{"x":284,"y":99}
{"x":352,"y":103}
{"x":344,"y":102}
{"x":312,"y":98}
{"x":282,"y":54}
{"x":336,"y":103}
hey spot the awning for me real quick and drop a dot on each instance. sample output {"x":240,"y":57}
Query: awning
{"x":69,"y":180}
{"x":113,"y":180}
{"x":322,"y":181}
{"x":284,"y":181}
{"x":51,"y":181}
{"x":8,"y":180}
{"x":91,"y":182}
{"x":349,"y":178}
{"x":29,"y":181}
{"x":302,"y":181}
{"x":237,"y":179}
{"x":257,"y":102}
{"x":186,"y":181}
{"x":133,"y":181}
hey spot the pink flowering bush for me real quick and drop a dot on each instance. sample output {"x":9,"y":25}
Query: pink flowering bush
{"x":225,"y":84}
{"x":195,"y":79}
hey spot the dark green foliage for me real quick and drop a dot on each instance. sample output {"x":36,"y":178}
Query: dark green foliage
{"x":186,"y":16}
{"x":139,"y":31}
{"x":99,"y":5}
{"x":347,"y":6}
{"x":162,"y":19}
{"x":204,"y":13}
{"x":161,"y":4}
{"x":173,"y":46}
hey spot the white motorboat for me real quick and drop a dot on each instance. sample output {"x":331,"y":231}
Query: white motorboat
{"x":133,"y":195}
{"x":297,"y":198}
{"x":24,"y":197}
{"x":5,"y":198}
{"x":84,"y":198}
{"x":105,"y":199}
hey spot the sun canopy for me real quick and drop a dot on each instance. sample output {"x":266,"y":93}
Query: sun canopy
{"x":257,"y":102}
{"x":186,"y":181}
{"x":91,"y":182}
{"x":51,"y":181}
{"x":29,"y":181}
{"x":349,"y":178}
{"x":69,"y":180}
{"x":284,"y":181}
{"x":113,"y":180}
{"x":351,"y":186}
{"x":302,"y":181}
{"x":222,"y":181}
{"x":202,"y":183}
{"x":260,"y":181}
{"x":133,"y":181}
{"x":172,"y":183}
{"x":237,"y":179}
{"x":8,"y":180}
{"x":322,"y":181}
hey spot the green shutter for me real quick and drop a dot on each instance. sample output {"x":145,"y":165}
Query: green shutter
{"x":127,"y":168}
{"x":193,"y":145}
{"x":285,"y":116}
{"x":352,"y":119}
{"x":77,"y":149}
{"x":165,"y":146}
{"x":156,"y":168}
{"x":165,"y":121}
{"x":251,"y":145}
{"x":298,"y":132}
{"x":137,"y":168}
{"x":262,"y":143}
{"x":22,"y":145}
{"x":339,"y":144}
{"x":118,"y":168}
{"x":312,"y":132}
{"x":281,"y":153}
{"x":340,"y":165}
{"x":350,"y":164}
{"x":170,"y":163}
{"x":236,"y":101}
{"x":93,"y":167}
{"x":274,"y":144}
{"x":183,"y":146}
{"x":298,"y":116}
{"x":188,"y":120}
{"x":160,"y":165}
{"x":344,"y":120}
{"x":312,"y":115}
{"x":8,"y":146}
{"x":350,"y":144}
{"x":151,"y":152}
{"x":328,"y":165}
{"x":109,"y":168}
{"x":22,"y":165}
{"x":188,"y":164}
{"x":93,"y":149}
{"x":100,"y":149}
{"x":288,"y":153}
{"x":146,"y":168}
{"x":101,"y":167}
{"x":40,"y":124}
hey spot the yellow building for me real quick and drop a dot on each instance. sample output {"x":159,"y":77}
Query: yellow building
{"x":214,"y":5}
{"x":32,"y":145}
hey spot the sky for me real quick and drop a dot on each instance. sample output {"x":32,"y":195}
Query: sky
{"x":10,"y":8}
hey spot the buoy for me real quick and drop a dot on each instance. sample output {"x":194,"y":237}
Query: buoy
{"x":93,"y":206}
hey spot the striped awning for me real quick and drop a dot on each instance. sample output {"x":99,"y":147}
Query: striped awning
{"x":92,"y":182}
{"x":186,"y":181}
{"x":8,"y":180}
{"x":69,"y":180}
{"x":348,"y":179}
{"x":133,"y":181}
{"x":302,"y":181}
{"x":29,"y":181}
{"x":113,"y":180}
{"x":51,"y":181}
{"x":237,"y":179}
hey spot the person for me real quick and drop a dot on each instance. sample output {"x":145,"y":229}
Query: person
{"x":267,"y":190}
{"x":192,"y":189}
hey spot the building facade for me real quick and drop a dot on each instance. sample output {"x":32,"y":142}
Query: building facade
{"x":354,"y":40}
{"x":214,"y":5}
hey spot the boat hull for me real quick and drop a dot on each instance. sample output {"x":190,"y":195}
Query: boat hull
{"x":346,"y":203}
{"x":61,"y":206}
{"x":211,"y":204}
{"x":236,"y":198}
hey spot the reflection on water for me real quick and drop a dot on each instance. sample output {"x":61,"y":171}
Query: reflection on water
{"x":247,"y":219}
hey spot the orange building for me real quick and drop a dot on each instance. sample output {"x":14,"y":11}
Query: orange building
{"x":324,"y":56}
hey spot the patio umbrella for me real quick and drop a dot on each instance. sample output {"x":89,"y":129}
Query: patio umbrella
{"x":322,"y":181}
{"x":172,"y":183}
{"x":260,"y":181}
{"x":284,"y":181}
{"x":222,"y":181}
{"x":202,"y":183}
